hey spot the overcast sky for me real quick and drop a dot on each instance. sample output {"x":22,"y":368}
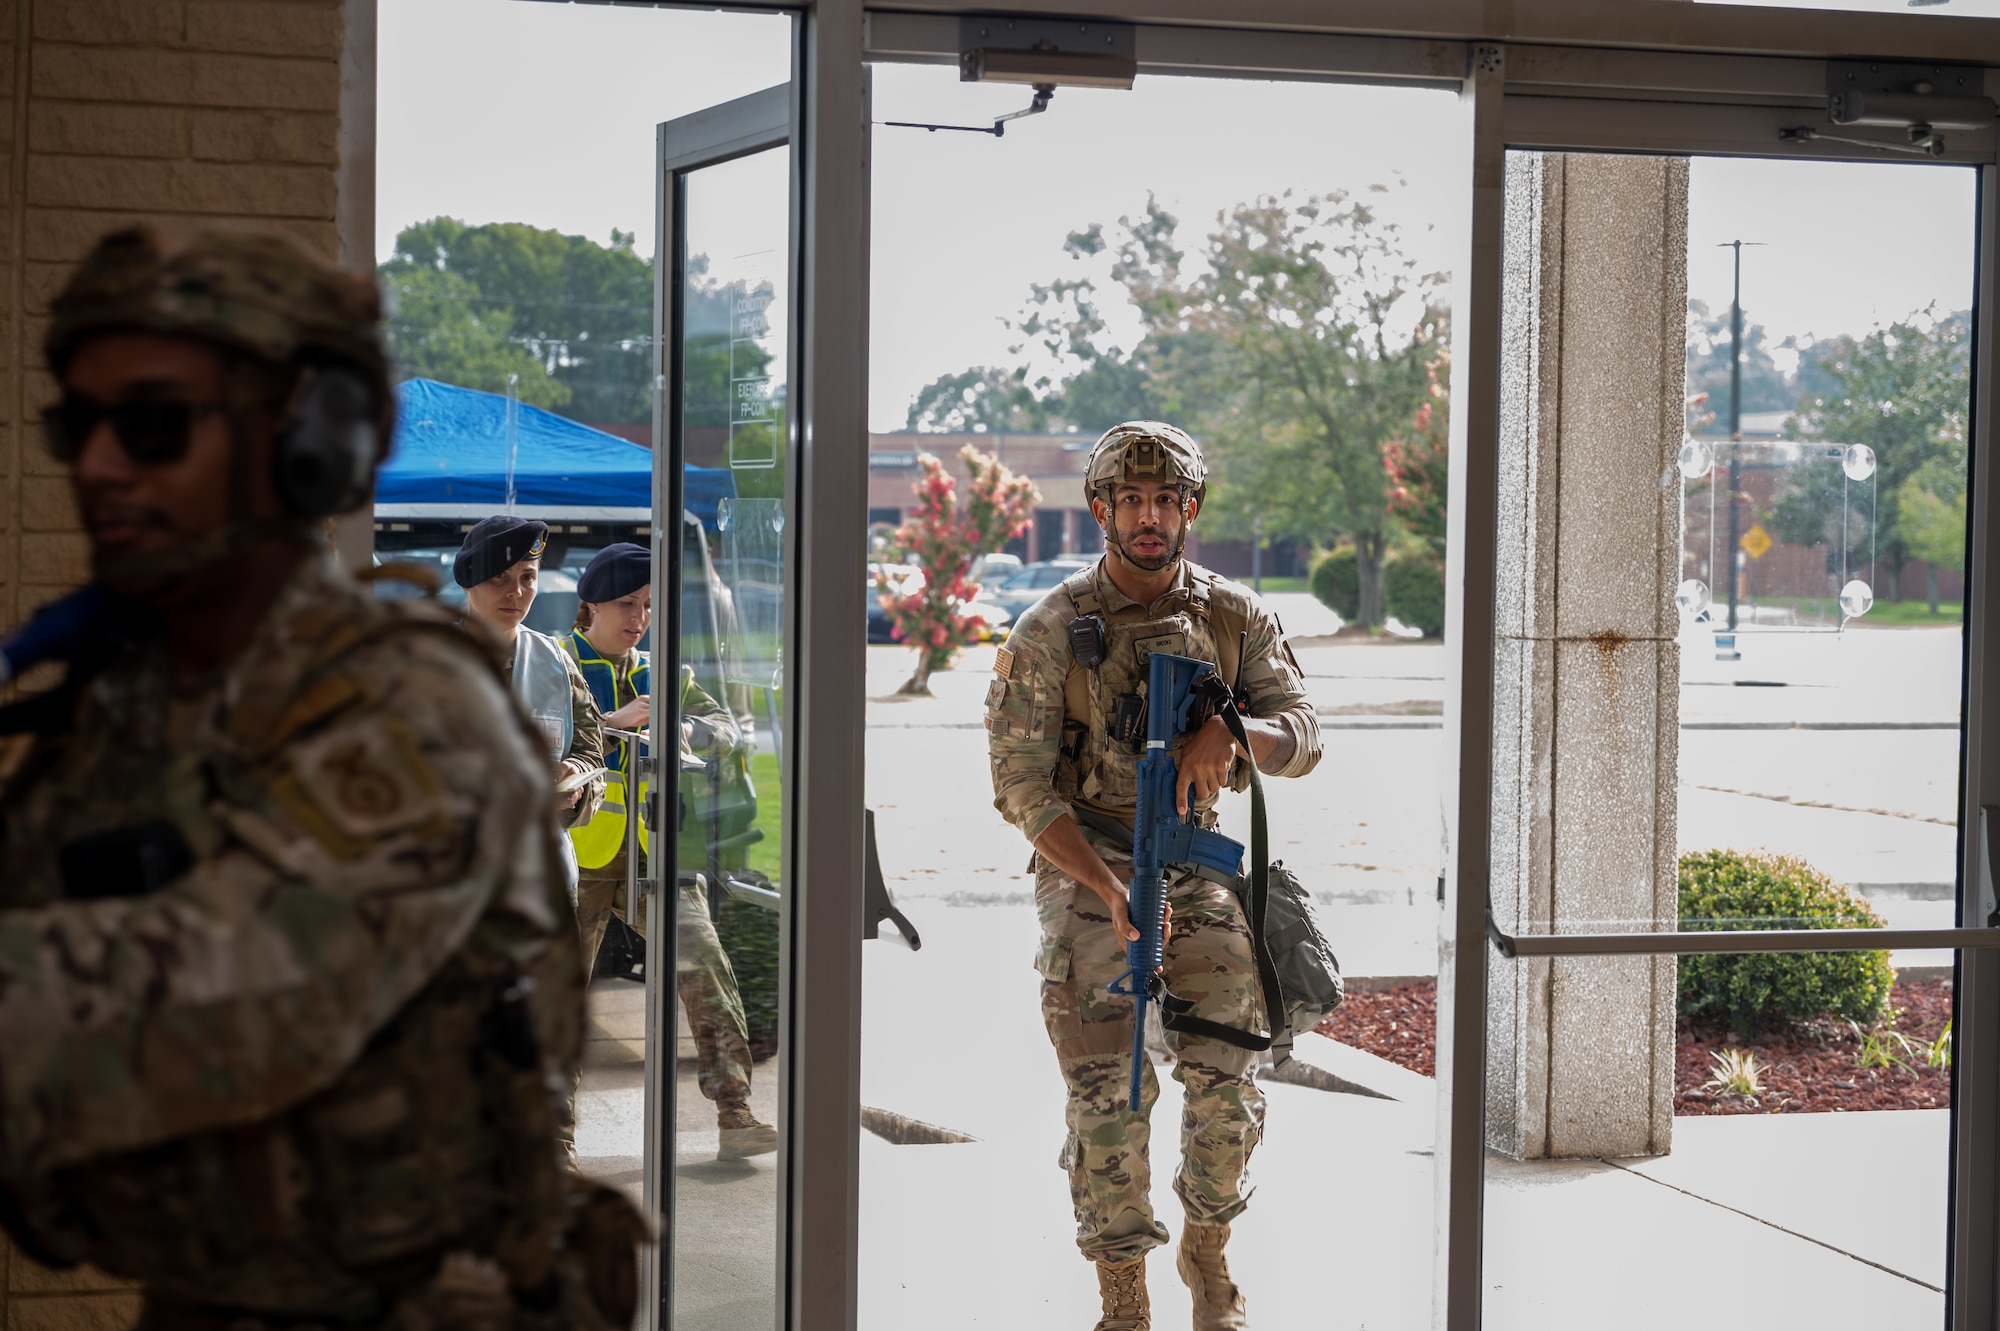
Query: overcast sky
{"x":498,"y":110}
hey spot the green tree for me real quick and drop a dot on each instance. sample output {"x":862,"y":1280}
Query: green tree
{"x":1931,"y":504}
{"x":438,"y":328}
{"x":1905,"y":391}
{"x":981,"y":400}
{"x":1765,"y":386}
{"x":1417,"y":460}
{"x":1301,"y":348}
{"x":1292,"y":357}
{"x":583,"y":310}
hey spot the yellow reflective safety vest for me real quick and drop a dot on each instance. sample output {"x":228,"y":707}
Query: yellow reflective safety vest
{"x":598,"y":841}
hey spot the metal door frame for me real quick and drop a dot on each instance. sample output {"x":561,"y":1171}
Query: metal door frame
{"x":1649,"y":76}
{"x":757,"y":123}
{"x":1553,"y":95}
{"x":822,"y":112}
{"x":1564,"y":105}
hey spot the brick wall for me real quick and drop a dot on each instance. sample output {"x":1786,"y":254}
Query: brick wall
{"x":116,"y":110}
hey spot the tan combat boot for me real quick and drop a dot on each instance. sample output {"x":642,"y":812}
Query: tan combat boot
{"x":1218,"y":1304}
{"x":739,"y":1134}
{"x":1122,"y":1286}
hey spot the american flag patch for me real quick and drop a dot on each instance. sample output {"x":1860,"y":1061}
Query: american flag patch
{"x":1003,"y":663}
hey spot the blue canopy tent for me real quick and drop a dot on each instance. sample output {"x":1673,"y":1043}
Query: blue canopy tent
{"x":450,"y":460}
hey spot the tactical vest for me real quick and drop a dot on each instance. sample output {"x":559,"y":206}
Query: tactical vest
{"x":598,"y":841}
{"x":1096,"y":767}
{"x":439,"y":1138}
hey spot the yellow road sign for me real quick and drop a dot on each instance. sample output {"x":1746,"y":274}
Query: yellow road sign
{"x":1756,"y":541}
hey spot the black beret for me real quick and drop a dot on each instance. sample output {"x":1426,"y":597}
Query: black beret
{"x":615,"y":571}
{"x":495,"y":545}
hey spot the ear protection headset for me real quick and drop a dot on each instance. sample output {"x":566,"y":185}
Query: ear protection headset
{"x":325,"y":449}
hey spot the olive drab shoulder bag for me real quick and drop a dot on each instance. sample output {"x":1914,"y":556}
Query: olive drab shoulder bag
{"x":1296,"y":967}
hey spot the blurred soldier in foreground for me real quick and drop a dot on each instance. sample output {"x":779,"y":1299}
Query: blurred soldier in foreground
{"x":615,"y":609}
{"x":289,"y":991}
{"x":1062,"y":715}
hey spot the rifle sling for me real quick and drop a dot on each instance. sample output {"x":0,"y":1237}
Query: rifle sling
{"x":1177,"y":1014}
{"x":1260,"y":876}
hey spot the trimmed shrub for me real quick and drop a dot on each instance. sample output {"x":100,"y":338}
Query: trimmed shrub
{"x":1413,"y":590}
{"x":749,"y":935}
{"x":1336,"y":584}
{"x":1728,"y":889}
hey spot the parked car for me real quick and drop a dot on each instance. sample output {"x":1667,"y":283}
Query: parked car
{"x":1032,"y":583}
{"x":996,"y":567}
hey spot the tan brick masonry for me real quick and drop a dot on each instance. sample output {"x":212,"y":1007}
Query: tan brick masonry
{"x":113,"y":111}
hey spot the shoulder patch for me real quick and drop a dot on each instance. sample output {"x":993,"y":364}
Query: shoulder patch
{"x":365,"y":781}
{"x":1003,"y":663}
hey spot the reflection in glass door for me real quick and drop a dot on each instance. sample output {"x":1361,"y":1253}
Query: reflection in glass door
{"x":723,"y":532}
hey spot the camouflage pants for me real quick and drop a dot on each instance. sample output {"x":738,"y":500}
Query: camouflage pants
{"x":600,"y":894}
{"x":1210,"y":963}
{"x":702,"y":973}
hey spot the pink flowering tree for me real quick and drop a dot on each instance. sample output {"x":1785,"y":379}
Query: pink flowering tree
{"x":942,"y":536}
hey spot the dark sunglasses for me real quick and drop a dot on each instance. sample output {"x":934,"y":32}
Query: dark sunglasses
{"x":149,"y":432}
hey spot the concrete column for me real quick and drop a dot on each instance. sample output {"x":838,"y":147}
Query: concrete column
{"x":1580,"y":1052}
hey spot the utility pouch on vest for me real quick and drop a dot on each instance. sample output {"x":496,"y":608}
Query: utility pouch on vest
{"x":1086,"y":639}
{"x":1128,"y":722}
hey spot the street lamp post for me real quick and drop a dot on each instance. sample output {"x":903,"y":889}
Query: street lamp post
{"x":1729,"y":652}
{"x":1735,"y":418}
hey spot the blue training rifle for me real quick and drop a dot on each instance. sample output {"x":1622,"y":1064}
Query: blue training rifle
{"x":1176,"y":702}
{"x":58,"y":631}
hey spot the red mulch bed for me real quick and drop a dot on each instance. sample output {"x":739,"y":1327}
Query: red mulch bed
{"x":1810,"y":1068}
{"x":1398,"y":1024}
{"x":1806,"y":1070}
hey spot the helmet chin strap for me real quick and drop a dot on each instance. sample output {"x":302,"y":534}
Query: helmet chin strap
{"x":1116,"y":546}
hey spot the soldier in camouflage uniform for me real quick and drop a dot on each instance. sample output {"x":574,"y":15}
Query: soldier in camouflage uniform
{"x":289,"y":989}
{"x":615,"y":610}
{"x":1072,"y":790}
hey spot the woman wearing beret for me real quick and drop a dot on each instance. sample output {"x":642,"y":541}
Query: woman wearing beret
{"x":616,"y":609}
{"x":498,"y":565}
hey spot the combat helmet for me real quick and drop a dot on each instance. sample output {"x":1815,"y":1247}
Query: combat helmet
{"x":1145,"y":451}
{"x":252,"y":292}
{"x":267,"y":301}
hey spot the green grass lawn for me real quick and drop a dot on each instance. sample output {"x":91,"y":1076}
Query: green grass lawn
{"x":1913,"y":612}
{"x":1272,"y":584}
{"x":1883,"y":614}
{"x":763,"y":855}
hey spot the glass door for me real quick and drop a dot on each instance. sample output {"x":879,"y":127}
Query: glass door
{"x":1730,"y":931}
{"x":722,"y":544}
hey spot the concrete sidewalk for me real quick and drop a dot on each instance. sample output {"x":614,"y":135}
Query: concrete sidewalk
{"x":1829,"y":1221}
